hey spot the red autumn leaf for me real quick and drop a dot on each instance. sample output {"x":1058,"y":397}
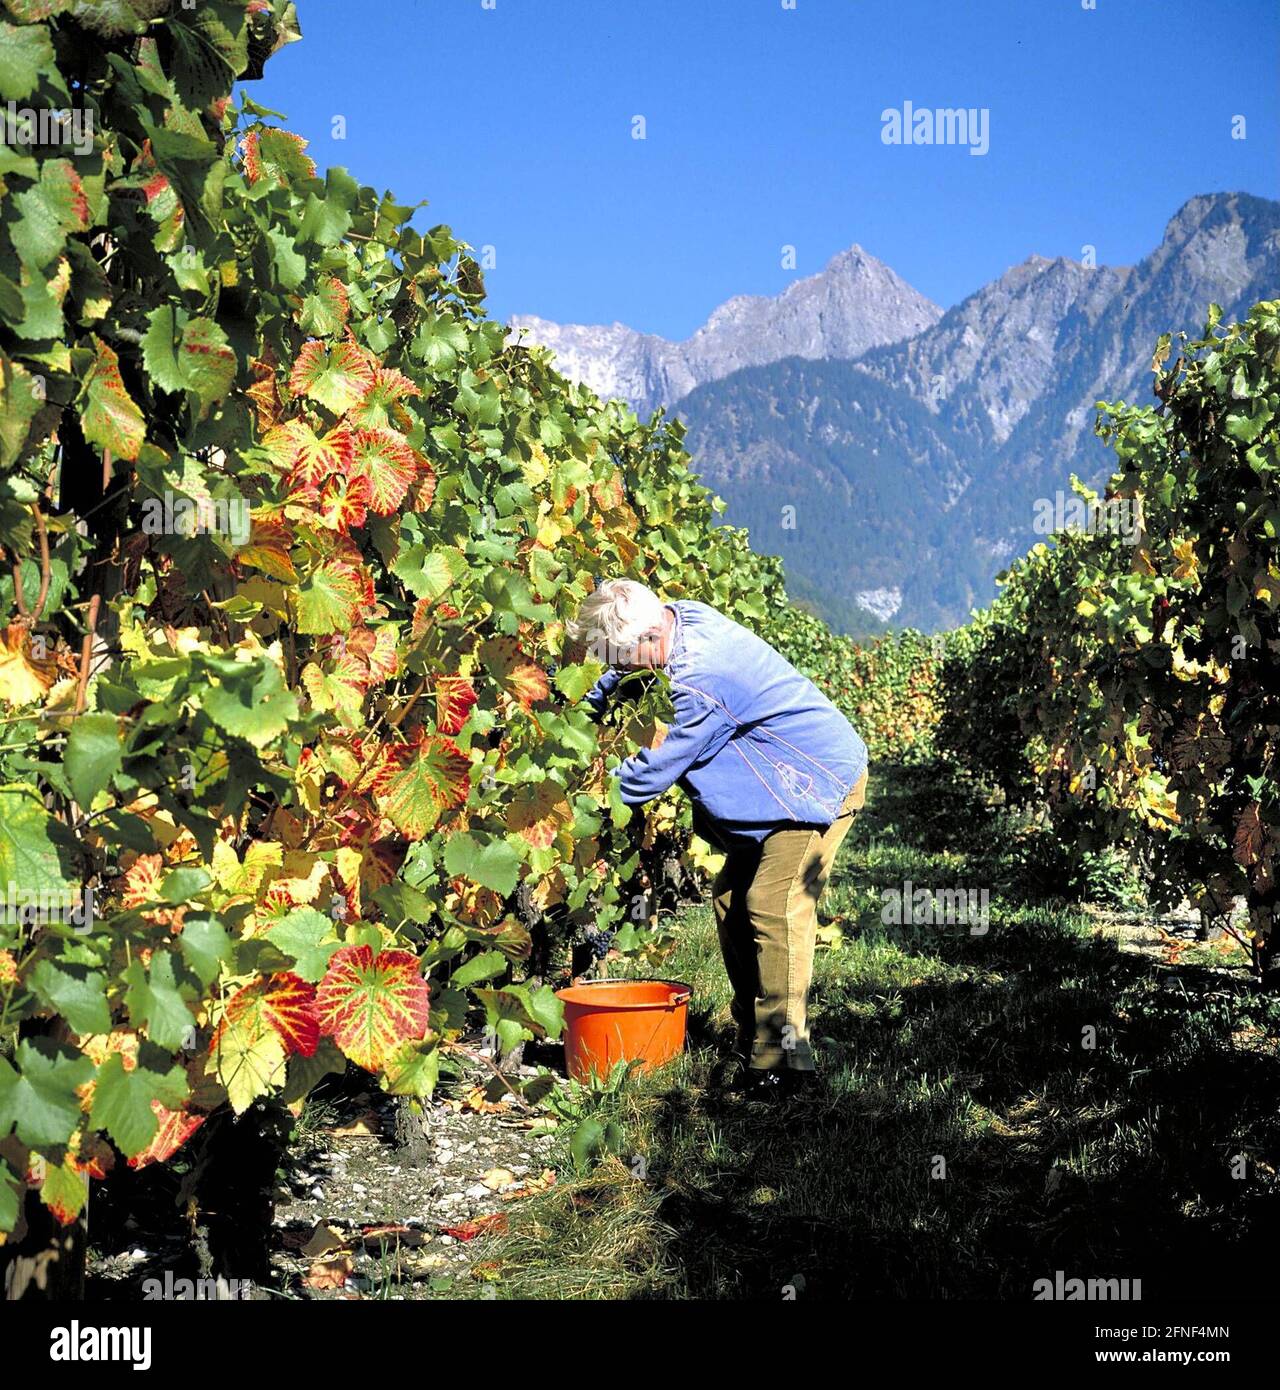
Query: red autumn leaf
{"x":421,"y":620}
{"x":141,"y":883}
{"x":276,"y":155}
{"x":609,"y":494}
{"x":370,"y":1005}
{"x":281,"y":442}
{"x":111,"y":417}
{"x":287,"y":1005}
{"x":381,"y":851}
{"x":380,"y":407}
{"x":337,"y":375}
{"x":364,"y":656}
{"x":419,"y":781}
{"x":383,"y":657}
{"x":309,"y":458}
{"x":156,"y":187}
{"x":268,"y":550}
{"x":426,"y":488}
{"x":343,"y":503}
{"x":321,"y":456}
{"x":327,"y":309}
{"x":454,"y":697}
{"x":389,"y":464}
{"x":495,"y":1224}
{"x":1250,"y":833}
{"x":524,"y":680}
{"x":335,"y":593}
{"x":176,"y":1127}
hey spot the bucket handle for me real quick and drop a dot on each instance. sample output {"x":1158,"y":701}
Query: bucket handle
{"x":677,"y":997}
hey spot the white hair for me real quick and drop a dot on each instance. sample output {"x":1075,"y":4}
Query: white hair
{"x":617,"y":616}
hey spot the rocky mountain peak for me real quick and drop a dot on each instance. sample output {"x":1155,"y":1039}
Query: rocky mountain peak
{"x":854,"y":304}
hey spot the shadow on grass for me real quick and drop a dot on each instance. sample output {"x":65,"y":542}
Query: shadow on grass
{"x":963,"y":1143}
{"x":992,"y":1108}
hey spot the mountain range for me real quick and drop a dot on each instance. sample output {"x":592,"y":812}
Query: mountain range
{"x":892,"y":453}
{"x":856,"y":303}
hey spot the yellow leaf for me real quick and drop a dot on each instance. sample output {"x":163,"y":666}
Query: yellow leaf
{"x":549,"y":890}
{"x":246,"y":878}
{"x":23,"y":679}
{"x":1184,"y":553}
{"x":303,"y":876}
{"x":317,"y":687}
{"x":248,"y":1057}
{"x":535,"y":469}
{"x":539,"y":811}
{"x":348,"y":861}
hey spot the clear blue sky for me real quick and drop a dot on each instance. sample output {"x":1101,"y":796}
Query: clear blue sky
{"x":764,"y":129}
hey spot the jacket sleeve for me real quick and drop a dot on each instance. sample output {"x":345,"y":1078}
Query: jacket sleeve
{"x":701,"y":728}
{"x":597,"y":698}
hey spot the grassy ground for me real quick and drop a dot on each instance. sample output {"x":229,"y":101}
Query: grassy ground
{"x":943,"y":1051}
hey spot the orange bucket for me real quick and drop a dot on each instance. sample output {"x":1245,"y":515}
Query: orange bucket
{"x":608,"y":1021}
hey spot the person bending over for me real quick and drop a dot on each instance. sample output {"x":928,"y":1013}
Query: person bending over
{"x":776,"y":775}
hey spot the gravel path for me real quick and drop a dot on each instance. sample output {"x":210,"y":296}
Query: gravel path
{"x":351,"y":1217}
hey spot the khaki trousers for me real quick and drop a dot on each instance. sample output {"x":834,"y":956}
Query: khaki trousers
{"x":766,"y":906}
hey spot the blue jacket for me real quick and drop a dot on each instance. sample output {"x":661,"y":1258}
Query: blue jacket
{"x":755,"y":744}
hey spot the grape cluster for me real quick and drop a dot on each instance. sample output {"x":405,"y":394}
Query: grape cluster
{"x":598,"y":941}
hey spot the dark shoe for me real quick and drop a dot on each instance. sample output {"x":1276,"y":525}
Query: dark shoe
{"x":727,"y":1073}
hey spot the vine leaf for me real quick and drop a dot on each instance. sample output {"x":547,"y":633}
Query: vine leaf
{"x":332,"y":596}
{"x":336,"y":376}
{"x":93,"y":755}
{"x":111,"y":418}
{"x":25,"y":52}
{"x":455,"y":695}
{"x":285,"y":1003}
{"x":1247,"y":845}
{"x":39,"y":1098}
{"x":248,"y":1056}
{"x":279,"y":156}
{"x":173,"y":1129}
{"x":385,"y":459}
{"x":523,"y":679}
{"x":372,"y":1005}
{"x":35,"y":850}
{"x":539,"y":812}
{"x":188,"y":354}
{"x":123,"y":1096}
{"x":419,"y":781}
{"x":24,"y":678}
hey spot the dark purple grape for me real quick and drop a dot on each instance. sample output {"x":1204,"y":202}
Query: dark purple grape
{"x":599,"y":942}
